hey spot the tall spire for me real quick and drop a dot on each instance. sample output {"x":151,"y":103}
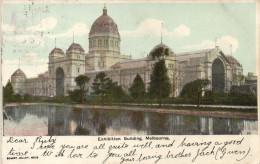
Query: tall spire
{"x":230,"y":49}
{"x":36,"y":69}
{"x":55,"y":42}
{"x":73,"y":37}
{"x":105,"y":9}
{"x":215,"y":41}
{"x":161,"y":32}
{"x":19,"y":63}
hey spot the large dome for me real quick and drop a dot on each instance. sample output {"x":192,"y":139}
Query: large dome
{"x":19,"y":72}
{"x":161,"y":45}
{"x":104,"y":25}
{"x":75,"y":47}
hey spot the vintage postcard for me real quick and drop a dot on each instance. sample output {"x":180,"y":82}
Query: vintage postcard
{"x":132,"y":82}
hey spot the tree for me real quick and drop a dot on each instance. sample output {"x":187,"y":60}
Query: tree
{"x":101,"y":85}
{"x":195,"y":89}
{"x":160,"y":85}
{"x":8,"y":92}
{"x":238,"y":79}
{"x":74,"y":95}
{"x":160,"y":53}
{"x":242,"y":79}
{"x":233,"y":84}
{"x":81,"y":81}
{"x":115,"y":92}
{"x":17,"y":97}
{"x":27,"y":98}
{"x":138,"y":88}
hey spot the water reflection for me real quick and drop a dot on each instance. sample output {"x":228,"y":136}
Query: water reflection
{"x":64,"y":120}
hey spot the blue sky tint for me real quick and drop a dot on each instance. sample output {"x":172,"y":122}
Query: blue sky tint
{"x":30,"y":29}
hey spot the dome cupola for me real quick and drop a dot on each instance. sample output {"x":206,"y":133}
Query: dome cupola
{"x":104,"y":25}
{"x":104,"y":37}
{"x":57,"y":51}
{"x":19,"y":73}
{"x":164,"y":47}
{"x":75,"y":47}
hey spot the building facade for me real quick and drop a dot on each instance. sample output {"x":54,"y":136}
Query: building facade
{"x":104,"y":56}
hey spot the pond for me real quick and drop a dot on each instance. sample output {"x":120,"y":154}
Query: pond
{"x":65,"y":120}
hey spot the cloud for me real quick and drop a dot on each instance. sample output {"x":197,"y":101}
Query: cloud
{"x":79,"y":29}
{"x":21,"y":35}
{"x":204,"y":44}
{"x":182,"y":30}
{"x":31,"y":65}
{"x":46,"y":24}
{"x":152,"y":27}
{"x":8,"y":27}
{"x":30,"y":58}
{"x":25,"y":39}
{"x":224,"y":43}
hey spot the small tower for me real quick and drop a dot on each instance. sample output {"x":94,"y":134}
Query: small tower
{"x":75,"y":64}
{"x":18,"y":80}
{"x":76,"y":55}
{"x":53,"y":58}
{"x":54,"y":54}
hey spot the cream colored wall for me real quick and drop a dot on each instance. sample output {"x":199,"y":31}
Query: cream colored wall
{"x":113,"y":49}
{"x":18,"y":84}
{"x":37,"y":86}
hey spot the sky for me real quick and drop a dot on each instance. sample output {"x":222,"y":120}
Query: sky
{"x":29,"y":30}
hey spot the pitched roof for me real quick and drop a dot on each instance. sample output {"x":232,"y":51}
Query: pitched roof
{"x":45,"y":74}
{"x":134,"y":63}
{"x":194,"y":54}
{"x":232,"y":60}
